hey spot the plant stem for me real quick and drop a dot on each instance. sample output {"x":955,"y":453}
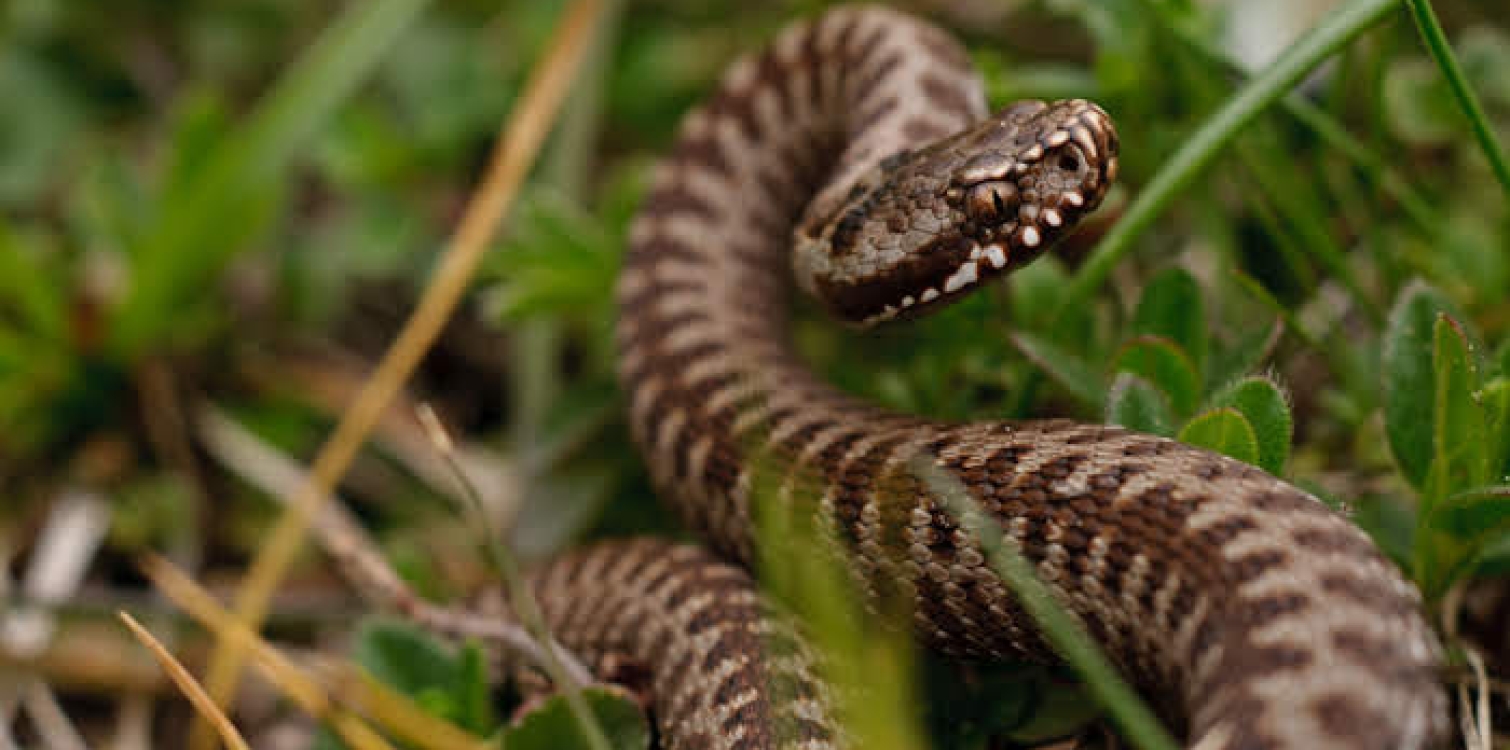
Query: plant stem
{"x":1441,"y":51}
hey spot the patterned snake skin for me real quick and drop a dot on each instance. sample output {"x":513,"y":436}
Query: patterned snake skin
{"x":1258,"y":616}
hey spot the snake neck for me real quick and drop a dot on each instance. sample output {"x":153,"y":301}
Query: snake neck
{"x":704,"y":295}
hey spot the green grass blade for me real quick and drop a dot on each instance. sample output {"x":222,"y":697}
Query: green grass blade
{"x":1325,"y":126}
{"x":184,"y":249}
{"x":1441,"y":51}
{"x":1181,"y":170}
{"x":1061,"y":630}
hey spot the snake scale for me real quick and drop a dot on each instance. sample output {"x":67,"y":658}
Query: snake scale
{"x":861,"y":141}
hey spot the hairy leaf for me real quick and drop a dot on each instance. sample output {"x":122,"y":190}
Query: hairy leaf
{"x":1265,"y":407}
{"x":1408,"y":381}
{"x":1225,"y":431}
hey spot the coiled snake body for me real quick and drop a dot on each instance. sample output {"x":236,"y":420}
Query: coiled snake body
{"x":862,"y":139}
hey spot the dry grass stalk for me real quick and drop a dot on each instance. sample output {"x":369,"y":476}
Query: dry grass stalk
{"x":333,"y":703}
{"x":515,"y":152}
{"x":190,"y":687}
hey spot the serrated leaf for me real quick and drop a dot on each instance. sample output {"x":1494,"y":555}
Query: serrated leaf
{"x":1225,"y":431}
{"x":1135,"y":404}
{"x":1165,"y":365}
{"x":1065,"y":368}
{"x":551,"y":726}
{"x":1459,"y":437}
{"x":1264,"y":405}
{"x":1171,"y":307}
{"x":1408,"y":380}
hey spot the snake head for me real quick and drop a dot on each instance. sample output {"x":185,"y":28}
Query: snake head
{"x":925,"y":227}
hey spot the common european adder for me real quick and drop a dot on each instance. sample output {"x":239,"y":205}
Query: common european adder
{"x":856,"y":154}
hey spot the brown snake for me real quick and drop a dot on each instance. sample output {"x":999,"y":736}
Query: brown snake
{"x":1263,"y":618}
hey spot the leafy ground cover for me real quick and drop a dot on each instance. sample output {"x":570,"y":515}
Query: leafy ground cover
{"x":214,"y":218}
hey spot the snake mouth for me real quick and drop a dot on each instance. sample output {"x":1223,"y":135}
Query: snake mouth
{"x":940,"y":273}
{"x":948,"y":268}
{"x":973,"y":264}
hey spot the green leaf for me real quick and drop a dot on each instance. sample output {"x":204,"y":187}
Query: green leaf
{"x":1408,"y":381}
{"x":1165,"y":365}
{"x":1136,"y":405}
{"x":1460,"y":457}
{"x":1475,"y":513}
{"x":1267,"y":410}
{"x":1494,"y":397}
{"x":1225,"y":431}
{"x":1065,"y":368}
{"x":448,"y":682}
{"x":1465,"y":529}
{"x":1390,"y":522}
{"x":552,"y":727}
{"x":1171,"y":307}
{"x":557,"y":261}
{"x":472,"y":693}
{"x":404,"y":657}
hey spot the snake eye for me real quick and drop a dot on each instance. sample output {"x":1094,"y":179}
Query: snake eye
{"x":992,"y":202}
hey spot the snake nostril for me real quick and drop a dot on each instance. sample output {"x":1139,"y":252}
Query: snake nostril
{"x":1069,"y":163}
